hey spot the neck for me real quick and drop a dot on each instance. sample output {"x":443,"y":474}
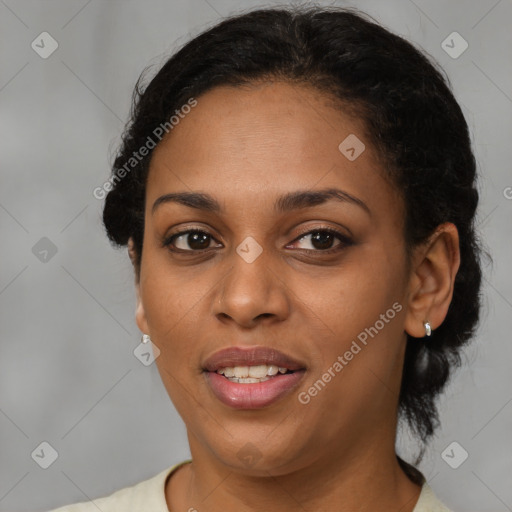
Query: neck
{"x":364,"y":479}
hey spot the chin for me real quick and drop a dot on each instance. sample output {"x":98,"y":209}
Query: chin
{"x":258,"y":459}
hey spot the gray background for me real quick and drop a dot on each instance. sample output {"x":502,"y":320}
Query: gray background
{"x":68,"y":375}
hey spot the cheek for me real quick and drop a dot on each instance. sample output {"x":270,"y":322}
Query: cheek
{"x":361,"y":313}
{"x":352,"y":298}
{"x":172,"y":307}
{"x":172,"y":313}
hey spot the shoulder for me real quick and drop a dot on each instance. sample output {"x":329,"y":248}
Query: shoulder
{"x":148,"y":495}
{"x":428,"y":501}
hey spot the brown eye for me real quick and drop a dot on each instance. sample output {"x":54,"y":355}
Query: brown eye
{"x":189,"y":241}
{"x":324,"y":240}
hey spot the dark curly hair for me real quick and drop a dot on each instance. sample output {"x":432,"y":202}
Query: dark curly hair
{"x":411,"y":118}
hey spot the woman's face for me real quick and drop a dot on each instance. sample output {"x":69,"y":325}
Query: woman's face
{"x":265,"y":273}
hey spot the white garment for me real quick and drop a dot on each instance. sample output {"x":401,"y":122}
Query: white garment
{"x":149,"y":496}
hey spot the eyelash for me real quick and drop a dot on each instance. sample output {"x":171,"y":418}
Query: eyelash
{"x":345,"y":241}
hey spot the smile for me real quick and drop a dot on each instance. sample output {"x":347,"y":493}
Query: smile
{"x":252,"y":378}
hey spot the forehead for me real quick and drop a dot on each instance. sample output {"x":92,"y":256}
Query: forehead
{"x":265,"y":140}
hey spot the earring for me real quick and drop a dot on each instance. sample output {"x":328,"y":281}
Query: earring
{"x":145,"y":338}
{"x":428,"y":329}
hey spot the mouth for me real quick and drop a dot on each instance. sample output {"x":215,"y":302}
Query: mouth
{"x":252,"y":378}
{"x":252,"y":374}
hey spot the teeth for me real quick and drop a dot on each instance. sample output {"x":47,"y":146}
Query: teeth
{"x":249,"y":380}
{"x":241,"y":371}
{"x":259,"y":373}
{"x":272,"y":370}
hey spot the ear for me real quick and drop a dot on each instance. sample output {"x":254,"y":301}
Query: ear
{"x":140,"y":314}
{"x":435,"y":265}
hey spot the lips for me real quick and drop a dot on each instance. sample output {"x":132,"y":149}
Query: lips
{"x":237,"y":356}
{"x":247,"y":394}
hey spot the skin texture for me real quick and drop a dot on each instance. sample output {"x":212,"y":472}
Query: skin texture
{"x":247,"y":146}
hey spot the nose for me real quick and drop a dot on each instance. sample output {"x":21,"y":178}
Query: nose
{"x":251,"y":293}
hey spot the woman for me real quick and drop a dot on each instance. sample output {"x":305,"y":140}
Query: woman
{"x":297,"y":192}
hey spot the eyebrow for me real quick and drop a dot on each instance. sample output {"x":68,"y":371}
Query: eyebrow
{"x":288,"y":202}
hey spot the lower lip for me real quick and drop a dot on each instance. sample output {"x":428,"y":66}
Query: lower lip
{"x":252,"y":396}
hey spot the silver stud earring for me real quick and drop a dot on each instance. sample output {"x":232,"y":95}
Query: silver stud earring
{"x":145,"y":338}
{"x":428,"y":329}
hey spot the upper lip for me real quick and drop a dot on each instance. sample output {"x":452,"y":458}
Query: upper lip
{"x":253,"y":356}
